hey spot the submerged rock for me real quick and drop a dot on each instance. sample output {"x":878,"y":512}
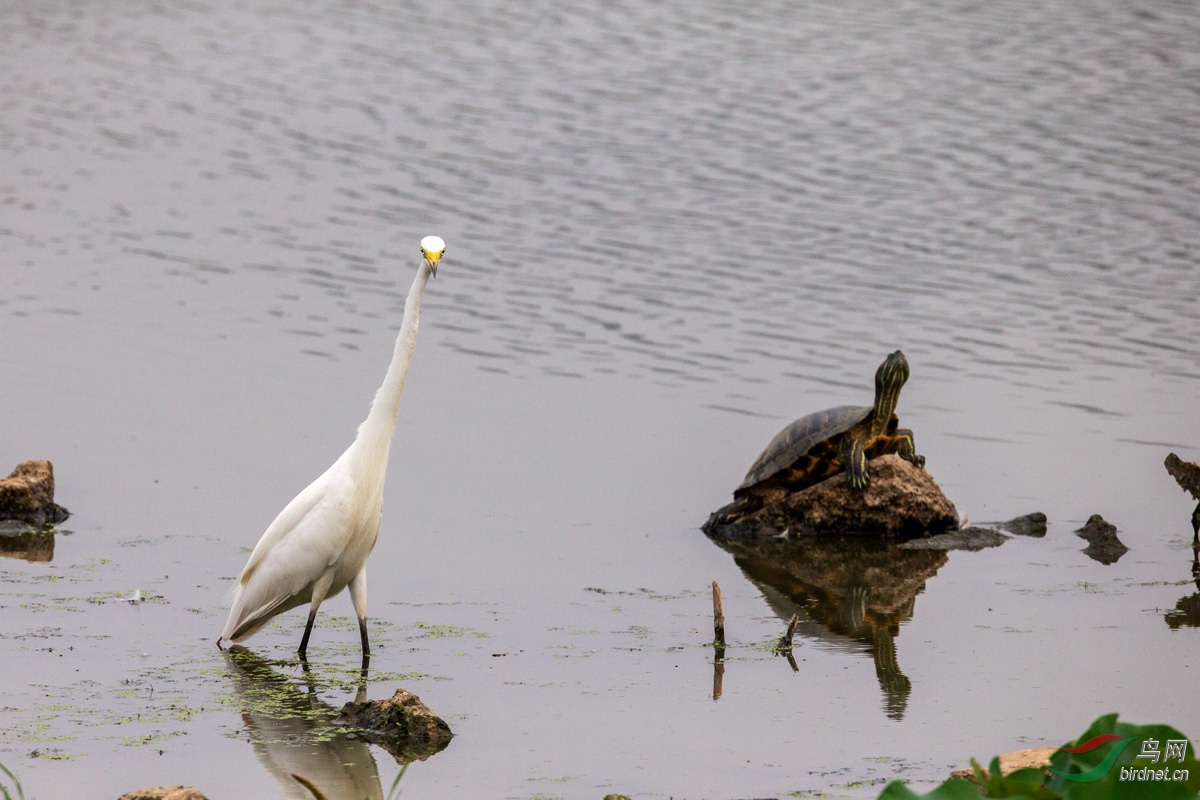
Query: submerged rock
{"x":164,"y":793}
{"x":1103,"y":544}
{"x":1029,"y":525}
{"x":902,"y":501}
{"x":402,"y":725}
{"x":970,"y":538}
{"x":28,"y":495}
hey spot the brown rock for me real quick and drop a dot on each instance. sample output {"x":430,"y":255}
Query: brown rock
{"x":402,"y":725}
{"x":1011,"y":762}
{"x":1103,"y":544}
{"x":28,"y":495}
{"x":164,"y":793}
{"x":1185,"y":473}
{"x":902,"y":501}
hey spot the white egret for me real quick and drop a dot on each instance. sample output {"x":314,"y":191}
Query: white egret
{"x":319,"y":543}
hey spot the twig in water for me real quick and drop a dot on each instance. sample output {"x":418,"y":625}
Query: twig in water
{"x":718,"y":617}
{"x":784,"y":645}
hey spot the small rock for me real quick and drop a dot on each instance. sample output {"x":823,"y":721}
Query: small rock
{"x":1029,"y":525}
{"x":164,"y":793}
{"x":1011,"y":762}
{"x":1103,"y":544}
{"x":402,"y":725}
{"x":902,"y":501}
{"x":28,"y":495}
{"x":971,"y":538}
{"x":615,"y":797}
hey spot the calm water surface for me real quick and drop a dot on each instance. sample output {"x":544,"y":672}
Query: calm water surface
{"x":672,"y":227}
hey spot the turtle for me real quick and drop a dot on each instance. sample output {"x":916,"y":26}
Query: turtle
{"x":824,"y":443}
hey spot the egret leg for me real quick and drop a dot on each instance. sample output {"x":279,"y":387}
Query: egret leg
{"x":358,"y":596}
{"x":320,"y":589}
{"x":312,"y":615}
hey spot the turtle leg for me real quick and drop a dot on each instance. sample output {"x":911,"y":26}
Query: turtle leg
{"x":908,"y":450}
{"x":1196,"y":526}
{"x":855,"y":462}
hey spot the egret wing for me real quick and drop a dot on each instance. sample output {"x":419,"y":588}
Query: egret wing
{"x":304,"y":540}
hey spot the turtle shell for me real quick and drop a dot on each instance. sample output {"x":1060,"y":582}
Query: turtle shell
{"x":791,"y":443}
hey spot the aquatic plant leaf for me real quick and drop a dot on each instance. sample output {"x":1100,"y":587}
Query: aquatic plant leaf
{"x":1108,"y":759}
{"x":953,"y":789}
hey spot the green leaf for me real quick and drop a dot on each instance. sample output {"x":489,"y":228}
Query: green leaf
{"x":953,"y":789}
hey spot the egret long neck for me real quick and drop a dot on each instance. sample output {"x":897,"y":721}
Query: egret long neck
{"x":375,"y":433}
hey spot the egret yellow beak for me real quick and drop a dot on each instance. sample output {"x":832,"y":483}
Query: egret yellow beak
{"x":432,"y":259}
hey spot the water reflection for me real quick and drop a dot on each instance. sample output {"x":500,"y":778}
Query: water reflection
{"x":1187,"y":609}
{"x":18,"y":540}
{"x":851,"y":593}
{"x":292,"y":732}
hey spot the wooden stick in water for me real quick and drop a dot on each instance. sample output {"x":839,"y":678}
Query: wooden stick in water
{"x":718,"y":616}
{"x":785,"y":642}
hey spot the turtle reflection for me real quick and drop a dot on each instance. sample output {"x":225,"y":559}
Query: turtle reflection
{"x":853,"y":593}
{"x":292,"y":733}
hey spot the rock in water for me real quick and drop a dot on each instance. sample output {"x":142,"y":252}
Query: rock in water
{"x":1103,"y":544}
{"x":164,"y":793}
{"x":28,"y":495}
{"x":1029,"y":525}
{"x":1185,"y":473}
{"x":402,"y":725}
{"x":971,"y":538}
{"x":902,"y":501}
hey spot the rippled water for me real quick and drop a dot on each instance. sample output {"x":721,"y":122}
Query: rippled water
{"x":672,"y":228}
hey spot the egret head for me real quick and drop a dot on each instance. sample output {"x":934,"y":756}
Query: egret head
{"x":433,"y":247}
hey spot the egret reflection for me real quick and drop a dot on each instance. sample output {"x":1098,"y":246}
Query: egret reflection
{"x":292,"y":732}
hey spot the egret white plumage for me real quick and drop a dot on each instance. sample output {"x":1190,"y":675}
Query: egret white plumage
{"x":319,"y":543}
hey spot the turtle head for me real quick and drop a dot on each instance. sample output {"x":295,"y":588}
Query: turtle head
{"x":890,"y":376}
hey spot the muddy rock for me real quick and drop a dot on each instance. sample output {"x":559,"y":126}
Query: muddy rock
{"x":1029,"y":525}
{"x":1103,"y":544}
{"x":1185,"y":473}
{"x":902,"y":501}
{"x":164,"y":793}
{"x":970,"y":538}
{"x":27,"y":495}
{"x":402,"y":725}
